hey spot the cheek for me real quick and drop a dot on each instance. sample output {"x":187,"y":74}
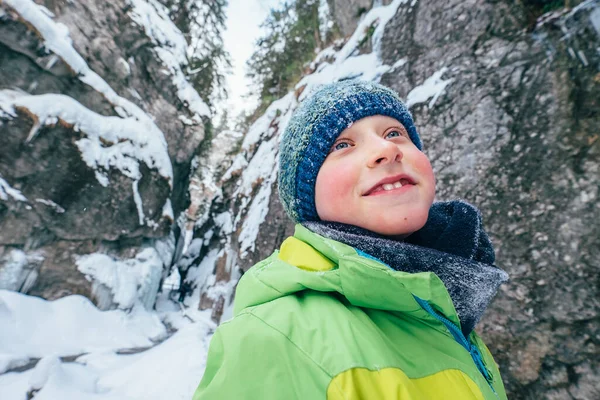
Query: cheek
{"x":333,"y":187}
{"x":423,"y":166}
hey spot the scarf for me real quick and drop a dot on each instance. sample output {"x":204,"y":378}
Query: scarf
{"x":452,"y":245}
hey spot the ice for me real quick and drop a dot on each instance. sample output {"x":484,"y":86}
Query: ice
{"x":123,"y":282}
{"x":18,"y":270}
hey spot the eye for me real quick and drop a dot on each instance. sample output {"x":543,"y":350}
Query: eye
{"x":396,"y":133}
{"x":340,"y":146}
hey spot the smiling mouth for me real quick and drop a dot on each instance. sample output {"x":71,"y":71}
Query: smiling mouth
{"x":389,"y":185}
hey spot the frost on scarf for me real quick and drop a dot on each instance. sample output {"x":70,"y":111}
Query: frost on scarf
{"x":452,"y":245}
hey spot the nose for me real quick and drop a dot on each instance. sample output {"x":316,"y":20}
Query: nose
{"x":384,"y":152}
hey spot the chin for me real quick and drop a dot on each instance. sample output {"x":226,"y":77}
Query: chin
{"x":402,"y":227}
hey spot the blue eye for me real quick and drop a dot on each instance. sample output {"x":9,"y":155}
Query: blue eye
{"x":340,"y":146}
{"x":396,"y":133}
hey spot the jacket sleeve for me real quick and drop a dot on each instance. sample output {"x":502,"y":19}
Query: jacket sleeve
{"x":248,"y":359}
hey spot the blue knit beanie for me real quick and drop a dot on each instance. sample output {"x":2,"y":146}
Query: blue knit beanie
{"x":314,"y":127}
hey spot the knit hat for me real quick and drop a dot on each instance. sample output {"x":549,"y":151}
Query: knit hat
{"x":314,"y":127}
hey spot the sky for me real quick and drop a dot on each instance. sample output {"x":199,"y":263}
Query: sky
{"x":242,"y":30}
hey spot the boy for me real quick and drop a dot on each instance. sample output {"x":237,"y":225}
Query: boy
{"x":377,"y":293}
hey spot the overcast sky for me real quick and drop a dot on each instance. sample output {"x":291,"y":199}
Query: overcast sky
{"x":243,"y":20}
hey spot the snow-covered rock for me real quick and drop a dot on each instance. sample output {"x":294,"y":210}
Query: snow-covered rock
{"x":98,"y":129}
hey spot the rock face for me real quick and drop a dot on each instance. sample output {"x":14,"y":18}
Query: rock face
{"x":516,"y":134}
{"x":509,"y":112}
{"x":98,"y":128}
{"x":346,"y":14}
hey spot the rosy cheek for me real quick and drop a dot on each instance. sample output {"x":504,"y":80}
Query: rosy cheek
{"x":333,"y":186}
{"x":423,"y":166}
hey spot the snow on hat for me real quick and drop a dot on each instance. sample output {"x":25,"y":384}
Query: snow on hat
{"x":314,"y":127}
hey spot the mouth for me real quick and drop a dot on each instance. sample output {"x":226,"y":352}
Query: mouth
{"x":390,"y":183}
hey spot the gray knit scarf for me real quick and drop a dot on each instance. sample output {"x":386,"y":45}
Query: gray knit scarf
{"x":452,"y":244}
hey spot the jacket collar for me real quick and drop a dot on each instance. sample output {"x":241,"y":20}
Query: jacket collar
{"x":362,"y":280}
{"x":470,"y":283}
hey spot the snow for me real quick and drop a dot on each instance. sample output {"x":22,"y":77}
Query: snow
{"x":149,"y":14}
{"x":167,"y":210}
{"x":57,"y":40}
{"x":432,"y":88}
{"x":239,"y":162}
{"x":200,"y":276}
{"x":51,"y":204}
{"x":170,"y":370}
{"x":109,"y":142}
{"x":129,"y":141}
{"x":5,"y":189}
{"x":266,"y":173}
{"x":154,"y":18}
{"x":123,"y":282}
{"x":400,"y":63}
{"x":259,"y":168}
{"x":378,"y":17}
{"x":263,"y":127}
{"x":138,"y":201}
{"x":347,"y":65}
{"x":224,"y":221}
{"x":171,"y":49}
{"x":71,"y":325}
{"x":172,"y":281}
{"x":365,"y":66}
{"x":260,"y":171}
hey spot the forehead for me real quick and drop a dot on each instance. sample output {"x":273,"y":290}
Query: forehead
{"x":372,"y":123}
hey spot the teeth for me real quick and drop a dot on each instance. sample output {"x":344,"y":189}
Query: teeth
{"x":397,"y":185}
{"x":387,"y":186}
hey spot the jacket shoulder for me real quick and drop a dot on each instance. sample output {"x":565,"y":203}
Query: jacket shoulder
{"x":250,"y":359}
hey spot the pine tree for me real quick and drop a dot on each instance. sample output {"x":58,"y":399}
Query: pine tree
{"x":292,"y":35}
{"x":202,"y":22}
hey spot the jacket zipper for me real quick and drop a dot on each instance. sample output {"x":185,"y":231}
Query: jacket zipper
{"x":462,"y":340}
{"x":454,"y":330}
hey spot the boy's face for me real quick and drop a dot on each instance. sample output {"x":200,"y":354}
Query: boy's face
{"x":376,"y":178}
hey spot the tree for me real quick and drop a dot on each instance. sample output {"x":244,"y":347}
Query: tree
{"x":202,"y":23}
{"x":291,"y":36}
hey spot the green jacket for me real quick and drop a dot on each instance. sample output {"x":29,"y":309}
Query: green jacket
{"x":320,"y":320}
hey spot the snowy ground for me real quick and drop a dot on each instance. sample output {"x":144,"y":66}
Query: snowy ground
{"x":82,"y":353}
